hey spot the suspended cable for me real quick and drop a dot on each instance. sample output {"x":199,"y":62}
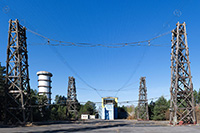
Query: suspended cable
{"x":117,"y":45}
{"x":62,"y":102}
{"x":132,"y":74}
{"x":75,"y":73}
{"x":114,"y":45}
{"x":106,"y":90}
{"x":63,"y":43}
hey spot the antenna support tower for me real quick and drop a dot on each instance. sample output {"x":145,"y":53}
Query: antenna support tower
{"x":17,"y":100}
{"x":182,"y":108}
{"x":72,"y":101}
{"x":142,"y":112}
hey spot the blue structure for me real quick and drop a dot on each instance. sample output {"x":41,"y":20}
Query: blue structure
{"x":109,"y":108}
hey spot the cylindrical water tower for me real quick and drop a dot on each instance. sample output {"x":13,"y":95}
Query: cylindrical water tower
{"x":44,"y":84}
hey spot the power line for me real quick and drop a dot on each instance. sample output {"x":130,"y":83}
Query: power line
{"x":67,"y":64}
{"x":75,"y":73}
{"x":121,"y":102}
{"x":106,"y":90}
{"x":116,"y":45}
{"x":50,"y":41}
{"x":132,"y":74}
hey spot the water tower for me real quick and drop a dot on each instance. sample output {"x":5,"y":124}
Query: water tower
{"x":44,"y":84}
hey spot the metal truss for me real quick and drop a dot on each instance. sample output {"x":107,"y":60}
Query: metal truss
{"x":182,"y":99}
{"x":17,"y":77}
{"x":72,"y":102}
{"x":142,"y":112}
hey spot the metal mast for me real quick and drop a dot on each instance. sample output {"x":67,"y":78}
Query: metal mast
{"x":182,"y":101}
{"x":17,"y":77}
{"x":71,"y":99}
{"x":142,"y":112}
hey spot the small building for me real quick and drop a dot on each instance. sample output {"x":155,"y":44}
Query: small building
{"x":84,"y":116}
{"x":92,"y":116}
{"x":109,"y":108}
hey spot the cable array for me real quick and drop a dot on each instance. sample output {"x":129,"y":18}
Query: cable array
{"x":54,"y":42}
{"x":75,"y":73}
{"x":121,"y":102}
{"x":177,"y":13}
{"x":50,"y":41}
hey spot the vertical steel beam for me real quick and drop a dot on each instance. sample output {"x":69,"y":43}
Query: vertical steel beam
{"x":142,"y":112}
{"x":17,"y":76}
{"x":182,"y":100}
{"x":72,"y":99}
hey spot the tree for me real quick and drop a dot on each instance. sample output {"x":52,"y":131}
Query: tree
{"x":196,"y":97}
{"x":88,"y":108}
{"x":60,"y":100}
{"x":195,"y":93}
{"x":160,"y":109}
{"x":167,"y":113}
{"x":35,"y":113}
{"x":61,"y":112}
{"x":2,"y":92}
{"x":40,"y":109}
{"x":58,"y":111}
{"x":122,"y":112}
{"x":130,"y":111}
{"x":44,"y":108}
{"x":151,"y":110}
{"x":2,"y":77}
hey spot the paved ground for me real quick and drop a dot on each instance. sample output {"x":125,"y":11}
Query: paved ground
{"x":105,"y":126}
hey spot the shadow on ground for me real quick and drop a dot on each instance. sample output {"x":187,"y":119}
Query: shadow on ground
{"x":74,"y":122}
{"x":82,"y":129}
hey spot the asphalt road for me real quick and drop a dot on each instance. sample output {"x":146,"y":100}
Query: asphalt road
{"x":115,"y":126}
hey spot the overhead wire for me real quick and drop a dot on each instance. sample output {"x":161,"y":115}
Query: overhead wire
{"x":62,"y":59}
{"x":116,"y":45}
{"x":177,"y":14}
{"x":132,"y":74}
{"x":63,"y":43}
{"x":59,"y":55}
{"x":75,"y":73}
{"x":63,"y":102}
{"x":108,"y":90}
{"x":157,"y":36}
{"x":112,"y":45}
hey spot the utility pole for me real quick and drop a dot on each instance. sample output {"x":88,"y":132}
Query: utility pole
{"x":142,"y":112}
{"x":182,"y":99}
{"x":17,"y":76}
{"x":72,"y":101}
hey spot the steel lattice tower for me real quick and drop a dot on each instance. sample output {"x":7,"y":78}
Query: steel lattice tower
{"x":17,"y":77}
{"x":182,"y":99}
{"x":142,"y":112}
{"x":71,"y":99}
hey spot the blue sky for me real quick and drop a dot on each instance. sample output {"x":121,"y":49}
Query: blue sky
{"x":105,"y":22}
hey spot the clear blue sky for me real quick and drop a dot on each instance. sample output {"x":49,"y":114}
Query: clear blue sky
{"x":105,"y":22}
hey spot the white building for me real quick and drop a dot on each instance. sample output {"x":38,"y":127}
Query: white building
{"x":44,"y":84}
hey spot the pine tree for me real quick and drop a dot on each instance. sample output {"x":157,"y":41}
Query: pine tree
{"x":2,"y":92}
{"x":160,"y":109}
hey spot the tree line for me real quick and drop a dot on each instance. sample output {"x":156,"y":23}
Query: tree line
{"x":41,"y":111}
{"x":160,"y":109}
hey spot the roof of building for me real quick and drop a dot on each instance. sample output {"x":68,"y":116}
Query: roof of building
{"x":109,"y":97}
{"x":44,"y":73}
